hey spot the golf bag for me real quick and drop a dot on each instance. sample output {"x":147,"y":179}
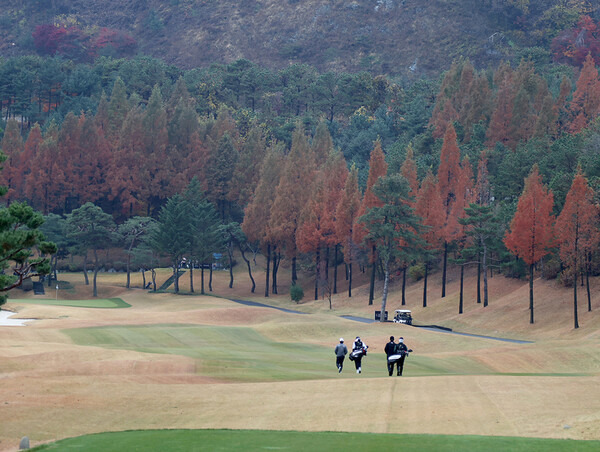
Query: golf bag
{"x":398,"y":356}
{"x":358,"y":353}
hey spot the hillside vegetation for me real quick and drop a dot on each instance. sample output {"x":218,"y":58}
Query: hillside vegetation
{"x":405,"y":37}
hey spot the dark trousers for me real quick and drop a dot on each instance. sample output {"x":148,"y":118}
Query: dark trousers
{"x":391,"y":367}
{"x":400,"y":364}
{"x":339,"y":361}
{"x":357,"y":362}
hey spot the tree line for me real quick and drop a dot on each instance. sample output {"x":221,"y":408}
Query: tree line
{"x":321,"y":194}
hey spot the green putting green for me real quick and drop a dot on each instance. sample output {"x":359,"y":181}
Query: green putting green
{"x":103,"y":303}
{"x":258,"y":440}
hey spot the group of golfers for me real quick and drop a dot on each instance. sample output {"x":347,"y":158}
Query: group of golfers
{"x":395,"y":353}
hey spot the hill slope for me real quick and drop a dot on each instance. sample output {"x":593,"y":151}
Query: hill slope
{"x":404,"y":37}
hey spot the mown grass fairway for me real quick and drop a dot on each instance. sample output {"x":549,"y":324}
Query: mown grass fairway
{"x":203,"y":366}
{"x":251,"y":440}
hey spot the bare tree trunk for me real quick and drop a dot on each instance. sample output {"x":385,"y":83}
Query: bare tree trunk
{"x":404,"y":286}
{"x":230,"y":254}
{"x":268,"y":268}
{"x":95,"y":290}
{"x":485,"y":281}
{"x":143,"y":279}
{"x":202,"y":278}
{"x":531,"y":293}
{"x":210,"y":278}
{"x":87,"y":281}
{"x":385,"y":290}
{"x":349,"y":273}
{"x":372,"y":285}
{"x":444,"y":269}
{"x":154,"y":279}
{"x":479,"y":279}
{"x":249,"y":267}
{"x":294,"y":271}
{"x":335,"y":269}
{"x":276,"y":260}
{"x":176,"y":277}
{"x":191,"y":276}
{"x":462,"y":278}
{"x":425,"y":285}
{"x":317,"y":271}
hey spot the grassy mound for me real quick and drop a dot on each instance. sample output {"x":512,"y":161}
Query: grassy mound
{"x":102,"y":303}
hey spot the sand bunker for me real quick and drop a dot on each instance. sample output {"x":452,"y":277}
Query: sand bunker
{"x":5,"y":319}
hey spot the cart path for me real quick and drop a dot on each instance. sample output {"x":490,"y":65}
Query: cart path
{"x":434,"y":328}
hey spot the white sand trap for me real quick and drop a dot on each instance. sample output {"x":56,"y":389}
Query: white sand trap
{"x":6,"y":321}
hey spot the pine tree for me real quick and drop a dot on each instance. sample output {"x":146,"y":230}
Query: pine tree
{"x":391,"y":226}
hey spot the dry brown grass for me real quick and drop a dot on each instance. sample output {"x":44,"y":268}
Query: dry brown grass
{"x":51,"y":388}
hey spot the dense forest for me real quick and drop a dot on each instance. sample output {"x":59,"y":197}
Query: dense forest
{"x":497,"y":167}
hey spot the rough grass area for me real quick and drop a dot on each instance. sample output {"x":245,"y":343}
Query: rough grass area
{"x":103,"y":303}
{"x":257,"y":440}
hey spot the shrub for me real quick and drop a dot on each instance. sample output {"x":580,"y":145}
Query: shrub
{"x":296,"y":293}
{"x":551,"y":268}
{"x":416,"y":272}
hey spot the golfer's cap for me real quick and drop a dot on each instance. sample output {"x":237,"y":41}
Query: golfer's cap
{"x":341,"y":339}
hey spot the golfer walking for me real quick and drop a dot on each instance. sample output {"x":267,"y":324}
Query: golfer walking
{"x":340,"y":353}
{"x":390,"y":349}
{"x":361,"y":350}
{"x":402,"y":350}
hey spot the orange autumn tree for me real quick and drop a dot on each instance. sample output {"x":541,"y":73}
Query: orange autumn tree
{"x":531,"y":231}
{"x":291,"y":196}
{"x":449,"y":176}
{"x":577,"y":231}
{"x":430,"y":209}
{"x":377,"y":168}
{"x":585,"y":105}
{"x":408,"y":170}
{"x":346,"y":215}
{"x":258,"y":212}
{"x":310,"y":236}
{"x":336,"y":170}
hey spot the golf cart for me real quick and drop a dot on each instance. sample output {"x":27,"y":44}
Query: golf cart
{"x":403,"y":316}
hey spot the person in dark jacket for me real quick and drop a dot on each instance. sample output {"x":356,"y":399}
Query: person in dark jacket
{"x":402,"y":350}
{"x":340,"y":353}
{"x":361,"y":350}
{"x":390,"y":349}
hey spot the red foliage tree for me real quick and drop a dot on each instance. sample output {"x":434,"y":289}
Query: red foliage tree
{"x":577,"y":231}
{"x":499,"y":129}
{"x":292,"y":195}
{"x":585,"y":105}
{"x":257,"y":217}
{"x":531,"y":231}
{"x":430,"y":209}
{"x":574,"y":45}
{"x":449,"y":174}
{"x":346,"y":214}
